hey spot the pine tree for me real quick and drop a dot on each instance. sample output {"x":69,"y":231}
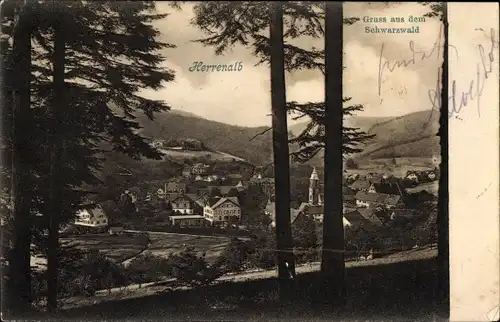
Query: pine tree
{"x":245,"y":23}
{"x":286,"y":260}
{"x":18,"y":21}
{"x":332,"y":262}
{"x":227,"y":23}
{"x":439,"y":10}
{"x":311,"y":140}
{"x":248,"y":23}
{"x":108,"y":51}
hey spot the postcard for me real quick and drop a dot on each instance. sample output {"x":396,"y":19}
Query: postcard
{"x":180,"y":160}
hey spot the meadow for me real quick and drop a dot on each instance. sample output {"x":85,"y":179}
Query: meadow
{"x":117,"y":248}
{"x":123,"y":248}
{"x":163,"y":245}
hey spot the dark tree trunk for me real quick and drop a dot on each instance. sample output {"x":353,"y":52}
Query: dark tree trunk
{"x":19,"y":287}
{"x":442,"y":225}
{"x":55,"y":149}
{"x":286,"y":260}
{"x":332,"y":263}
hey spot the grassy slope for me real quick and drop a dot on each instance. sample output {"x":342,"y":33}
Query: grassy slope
{"x":411,"y":135}
{"x":235,"y":140}
{"x":388,"y":290}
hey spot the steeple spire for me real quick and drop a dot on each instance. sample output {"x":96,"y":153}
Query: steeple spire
{"x":314,"y":175}
{"x":314,"y":188}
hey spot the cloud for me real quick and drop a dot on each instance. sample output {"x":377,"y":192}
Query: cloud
{"x":307,"y":91}
{"x":401,"y":90}
{"x":243,"y":98}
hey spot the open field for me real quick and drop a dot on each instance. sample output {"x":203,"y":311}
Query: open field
{"x":213,"y":155}
{"x":398,"y":170}
{"x":407,"y":161}
{"x":430,"y":187}
{"x":117,"y":248}
{"x":163,"y":245}
{"x":125,"y":247}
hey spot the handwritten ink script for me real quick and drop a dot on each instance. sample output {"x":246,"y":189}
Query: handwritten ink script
{"x":459,"y":98}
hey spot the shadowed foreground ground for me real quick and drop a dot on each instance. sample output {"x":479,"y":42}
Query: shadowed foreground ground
{"x":398,"y":291}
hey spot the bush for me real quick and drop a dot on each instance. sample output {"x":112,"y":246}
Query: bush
{"x":359,"y":242}
{"x":264,"y":255}
{"x":407,"y":183}
{"x":304,"y":233}
{"x":148,"y":268}
{"x":235,"y":256}
{"x":351,"y":164}
{"x":193,"y":270}
{"x":83,"y":273}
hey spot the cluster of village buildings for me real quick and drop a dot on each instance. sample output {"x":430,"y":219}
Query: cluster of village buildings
{"x":200,"y":197}
{"x":203,"y":198}
{"x":369,"y":201}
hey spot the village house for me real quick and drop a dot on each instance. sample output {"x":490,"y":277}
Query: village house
{"x":221,"y":211}
{"x":376,"y":216}
{"x":221,"y":191}
{"x":199,"y":168}
{"x":207,"y":178}
{"x":232,"y":180}
{"x":185,"y":221}
{"x":267,"y":185}
{"x":373,"y":200}
{"x":271,"y":212}
{"x":374,"y":177}
{"x":91,"y":216}
{"x":236,"y":177}
{"x":385,"y":187}
{"x":313,"y":211}
{"x":158,"y":144}
{"x":132,"y":197}
{"x":395,"y":214}
{"x":256,"y":177}
{"x":176,"y":187}
{"x":118,"y":230}
{"x":352,"y":177}
{"x":160,"y":193}
{"x":427,"y":175}
{"x":187,"y":172}
{"x":134,"y":193}
{"x":201,"y":201}
{"x":354,"y":219}
{"x":348,"y":196}
{"x":183,"y":204}
{"x":366,"y":218}
{"x":361,"y":185}
{"x":412,"y":175}
{"x":241,"y":186}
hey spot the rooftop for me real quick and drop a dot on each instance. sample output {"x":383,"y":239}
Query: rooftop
{"x":187,"y":217}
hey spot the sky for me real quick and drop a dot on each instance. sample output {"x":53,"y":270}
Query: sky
{"x":243,"y":98}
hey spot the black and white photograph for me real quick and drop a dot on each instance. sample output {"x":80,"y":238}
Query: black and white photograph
{"x":210,"y":161}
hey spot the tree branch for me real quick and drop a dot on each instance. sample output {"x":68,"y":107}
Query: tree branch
{"x":260,"y":133}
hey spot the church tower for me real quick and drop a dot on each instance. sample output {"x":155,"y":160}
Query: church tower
{"x":314,"y":188}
